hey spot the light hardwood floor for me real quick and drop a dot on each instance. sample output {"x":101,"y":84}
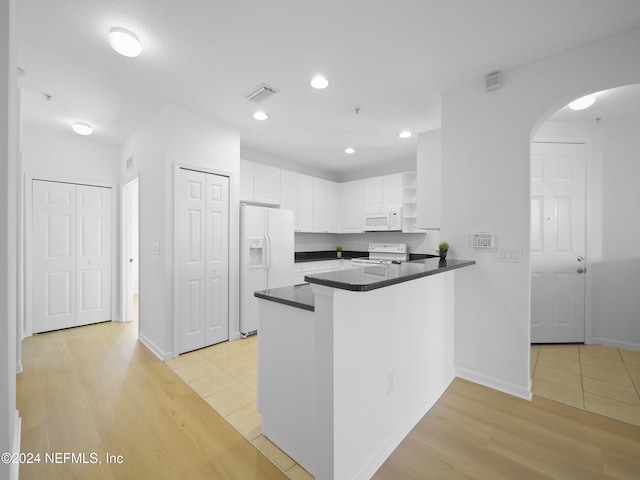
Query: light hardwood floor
{"x":97,"y":389}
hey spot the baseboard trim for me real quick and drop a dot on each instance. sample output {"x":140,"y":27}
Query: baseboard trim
{"x":164,"y":356}
{"x":616,"y":343}
{"x":384,"y":453}
{"x":495,"y":383}
{"x":17,"y":433}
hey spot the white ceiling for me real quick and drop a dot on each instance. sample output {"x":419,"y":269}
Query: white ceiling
{"x":392,"y":59}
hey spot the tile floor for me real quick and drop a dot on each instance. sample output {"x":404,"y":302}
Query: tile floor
{"x":225,"y":376}
{"x":599,"y":379}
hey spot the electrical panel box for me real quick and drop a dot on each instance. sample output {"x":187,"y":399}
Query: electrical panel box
{"x":483,"y":240}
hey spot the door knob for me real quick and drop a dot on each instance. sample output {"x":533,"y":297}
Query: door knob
{"x":581,"y":270}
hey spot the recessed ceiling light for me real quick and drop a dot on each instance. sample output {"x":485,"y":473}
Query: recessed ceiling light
{"x":319,"y":82}
{"x":405,"y":134}
{"x":349,"y":150}
{"x":582,"y":102}
{"x":124,"y":42}
{"x":260,"y":116}
{"x":82,"y":128}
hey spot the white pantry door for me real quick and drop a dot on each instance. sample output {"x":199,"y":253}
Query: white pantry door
{"x":558,"y":242}
{"x":202,"y":208}
{"x":71,"y":255}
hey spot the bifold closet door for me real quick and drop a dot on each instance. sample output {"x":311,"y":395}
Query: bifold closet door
{"x":202,"y":208}
{"x":71,"y":255}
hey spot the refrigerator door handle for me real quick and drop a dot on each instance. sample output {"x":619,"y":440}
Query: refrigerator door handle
{"x":267,"y":259}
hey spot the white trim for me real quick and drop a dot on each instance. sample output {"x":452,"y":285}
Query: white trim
{"x":176,"y":267}
{"x":157,"y":351}
{"x":617,"y":344}
{"x":591,"y":258}
{"x":28,"y":238}
{"x":383,"y":454}
{"x":495,"y":383}
{"x":123,"y":245}
{"x":17,"y":433}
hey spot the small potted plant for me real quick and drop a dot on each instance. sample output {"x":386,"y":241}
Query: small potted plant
{"x":442,"y":250}
{"x":339,"y":251}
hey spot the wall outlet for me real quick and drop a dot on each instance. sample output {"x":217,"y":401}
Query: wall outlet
{"x":510,"y":255}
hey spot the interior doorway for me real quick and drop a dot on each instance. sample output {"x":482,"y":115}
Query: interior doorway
{"x":558,"y":242}
{"x":131,"y":267}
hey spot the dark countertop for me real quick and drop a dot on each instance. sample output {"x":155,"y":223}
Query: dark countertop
{"x":299,"y":296}
{"x":377,"y":276}
{"x":361,"y":279}
{"x":346,"y":255}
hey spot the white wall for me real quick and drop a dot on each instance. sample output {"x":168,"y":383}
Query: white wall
{"x":54,"y":154}
{"x":9,"y":424}
{"x":485,"y":187}
{"x":171,"y":136}
{"x":616,"y":303}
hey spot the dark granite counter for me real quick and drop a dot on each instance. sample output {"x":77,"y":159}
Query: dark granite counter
{"x":362,"y":279}
{"x":346,"y":254}
{"x":377,"y":276}
{"x":299,"y":296}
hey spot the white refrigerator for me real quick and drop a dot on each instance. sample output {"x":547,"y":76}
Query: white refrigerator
{"x":266,"y":258}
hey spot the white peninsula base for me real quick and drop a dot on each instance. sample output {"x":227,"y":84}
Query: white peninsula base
{"x":339,"y":388}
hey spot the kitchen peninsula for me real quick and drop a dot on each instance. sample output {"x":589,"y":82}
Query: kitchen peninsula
{"x":350,"y":362}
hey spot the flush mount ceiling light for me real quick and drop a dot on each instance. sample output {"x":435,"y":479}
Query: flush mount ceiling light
{"x":319,"y":82}
{"x":124,"y":42}
{"x":349,"y":150}
{"x":582,"y":102}
{"x":260,"y":116}
{"x":82,"y":128}
{"x":405,"y":134}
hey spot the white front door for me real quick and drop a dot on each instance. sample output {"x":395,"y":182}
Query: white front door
{"x":202,"y":209}
{"x":558,"y":245}
{"x":71,"y":254}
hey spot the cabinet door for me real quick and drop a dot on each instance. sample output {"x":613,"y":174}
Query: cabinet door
{"x":305,"y":202}
{"x":373,"y":194}
{"x":318,"y":203}
{"x":392,"y":190}
{"x":266,"y":184}
{"x":289,"y":193}
{"x":352,"y":206}
{"x":246,"y":180}
{"x":331,"y":207}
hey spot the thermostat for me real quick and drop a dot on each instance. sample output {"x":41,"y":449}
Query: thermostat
{"x":482,"y":240}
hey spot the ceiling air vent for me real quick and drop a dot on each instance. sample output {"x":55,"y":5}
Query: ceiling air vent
{"x":261,"y":92}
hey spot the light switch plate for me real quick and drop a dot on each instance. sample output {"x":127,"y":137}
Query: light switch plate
{"x":510,"y":255}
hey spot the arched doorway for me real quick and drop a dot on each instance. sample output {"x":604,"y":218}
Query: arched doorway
{"x":603,"y":377}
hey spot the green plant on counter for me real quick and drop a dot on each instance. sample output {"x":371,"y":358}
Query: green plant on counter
{"x":443,"y":247}
{"x":339,"y":248}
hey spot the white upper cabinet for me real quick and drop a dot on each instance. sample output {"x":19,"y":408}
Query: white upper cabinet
{"x":259,"y":183}
{"x":325,"y":205}
{"x":318,"y":202}
{"x":392,"y":190}
{"x":428,"y":180}
{"x":305,"y":203}
{"x":331,"y":194}
{"x":383,"y":192}
{"x":289,"y":193}
{"x":352,"y":206}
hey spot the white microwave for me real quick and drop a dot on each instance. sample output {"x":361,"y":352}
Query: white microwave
{"x":388,"y":219}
